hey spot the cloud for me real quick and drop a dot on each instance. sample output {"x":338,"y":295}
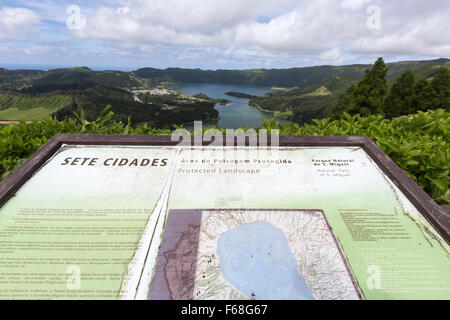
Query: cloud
{"x":177,"y":22}
{"x":425,"y":35}
{"x":7,"y":48}
{"x":333,"y":55}
{"x":17,"y":24}
{"x":320,"y":28}
{"x":47,"y":9}
{"x":37,"y":50}
{"x":237,"y":32}
{"x":354,"y":4}
{"x":315,"y":28}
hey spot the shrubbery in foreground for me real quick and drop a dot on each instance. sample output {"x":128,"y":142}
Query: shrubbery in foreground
{"x":418,"y":143}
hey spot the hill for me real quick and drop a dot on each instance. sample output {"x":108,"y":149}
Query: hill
{"x":156,"y":111}
{"x":303,"y":103}
{"x":117,"y":79}
{"x":14,"y":79}
{"x":294,"y":77}
{"x":146,"y":77}
{"x":15,"y":106}
{"x":305,"y":93}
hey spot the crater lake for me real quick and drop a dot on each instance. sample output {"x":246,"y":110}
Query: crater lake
{"x":238,"y":112}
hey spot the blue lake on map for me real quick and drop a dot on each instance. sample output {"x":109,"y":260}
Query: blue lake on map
{"x":257,"y":260}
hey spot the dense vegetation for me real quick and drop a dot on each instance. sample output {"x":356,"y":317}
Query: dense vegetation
{"x":335,"y":78}
{"x":371,"y":94}
{"x":159,"y":111}
{"x":39,"y":89}
{"x":419,"y":143}
{"x":366,"y":93}
{"x":204,"y":97}
{"x":239,"y":95}
{"x":294,"y":77}
{"x":363,"y":101}
{"x":408,"y":96}
{"x":308,"y":93}
{"x":12,"y":79}
{"x":302,"y":107}
{"x":117,"y":79}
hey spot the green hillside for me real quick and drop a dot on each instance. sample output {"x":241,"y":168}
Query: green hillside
{"x":304,"y":104}
{"x":145,"y":77}
{"x":294,"y":77}
{"x":13,"y":79}
{"x":24,"y":107}
{"x":311,"y":92}
{"x":117,"y":79}
{"x":155,"y":111}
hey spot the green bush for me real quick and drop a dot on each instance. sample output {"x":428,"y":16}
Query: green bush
{"x":418,"y":143}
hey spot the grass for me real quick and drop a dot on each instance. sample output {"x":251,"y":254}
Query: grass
{"x":281,"y":89}
{"x":21,"y":107}
{"x":322,"y":91}
{"x":19,"y":101}
{"x":38,"y":113}
{"x":286,"y":115}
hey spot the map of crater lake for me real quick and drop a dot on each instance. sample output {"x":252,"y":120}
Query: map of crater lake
{"x":251,"y":254}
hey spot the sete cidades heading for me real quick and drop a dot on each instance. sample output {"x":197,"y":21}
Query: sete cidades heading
{"x":157,"y":162}
{"x":115,"y":162}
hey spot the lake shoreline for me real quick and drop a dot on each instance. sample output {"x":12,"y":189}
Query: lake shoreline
{"x":236,"y":114}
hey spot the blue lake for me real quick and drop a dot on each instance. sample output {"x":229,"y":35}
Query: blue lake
{"x":257,"y":260}
{"x":235,"y":114}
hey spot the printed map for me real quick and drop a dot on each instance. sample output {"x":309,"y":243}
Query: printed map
{"x":250,"y":254}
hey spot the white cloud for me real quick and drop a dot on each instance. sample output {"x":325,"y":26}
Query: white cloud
{"x":7,"y":48}
{"x":317,"y":27}
{"x":177,"y":22}
{"x":17,"y":23}
{"x":333,"y":55}
{"x":93,"y":52}
{"x":37,"y":50}
{"x":320,"y":27}
{"x":238,"y":32}
{"x":427,"y":37}
{"x":354,"y":4}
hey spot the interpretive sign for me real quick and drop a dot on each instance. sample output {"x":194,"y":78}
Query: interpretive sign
{"x":144,"y":217}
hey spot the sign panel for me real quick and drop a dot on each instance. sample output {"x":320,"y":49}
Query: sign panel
{"x":208,"y":222}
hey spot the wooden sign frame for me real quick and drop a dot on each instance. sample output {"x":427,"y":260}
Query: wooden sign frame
{"x":434,"y":213}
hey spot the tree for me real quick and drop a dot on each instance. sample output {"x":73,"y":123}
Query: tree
{"x":401,"y":100}
{"x":441,"y":88}
{"x":342,"y":104}
{"x":424,"y":95}
{"x":368,"y":96}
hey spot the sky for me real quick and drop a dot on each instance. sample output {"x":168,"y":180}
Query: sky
{"x":220,"y":34}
